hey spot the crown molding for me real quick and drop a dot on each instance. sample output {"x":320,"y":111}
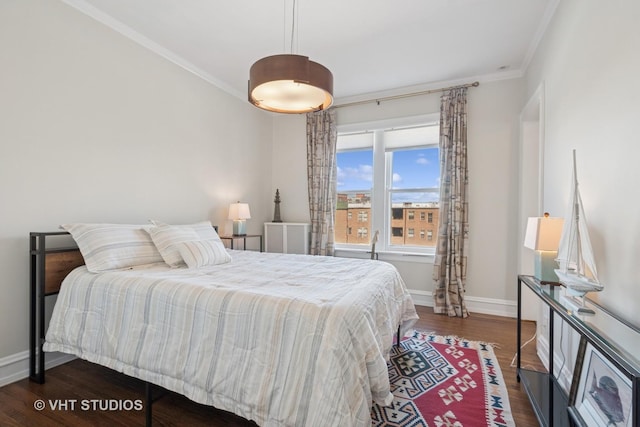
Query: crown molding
{"x":91,"y":11}
{"x":118,"y":26}
{"x":541,"y":30}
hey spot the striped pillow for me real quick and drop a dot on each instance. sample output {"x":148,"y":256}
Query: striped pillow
{"x":166,"y":237}
{"x":108,"y":247}
{"x":201,"y":253}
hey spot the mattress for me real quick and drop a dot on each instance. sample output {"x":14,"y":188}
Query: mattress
{"x":279,"y":339}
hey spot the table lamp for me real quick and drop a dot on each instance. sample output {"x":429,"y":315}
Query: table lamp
{"x":239,"y":213}
{"x":543,"y":236}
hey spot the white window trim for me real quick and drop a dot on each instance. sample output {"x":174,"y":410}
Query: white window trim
{"x":380,"y":184}
{"x":386,"y":256}
{"x":420,"y":120}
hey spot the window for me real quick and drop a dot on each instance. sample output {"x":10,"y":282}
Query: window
{"x":429,"y":235}
{"x":389,"y":177}
{"x":354,"y":189}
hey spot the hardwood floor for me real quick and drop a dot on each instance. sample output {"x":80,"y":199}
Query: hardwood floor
{"x":79,"y":380}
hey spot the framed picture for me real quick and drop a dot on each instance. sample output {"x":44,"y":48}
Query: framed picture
{"x":604,"y":394}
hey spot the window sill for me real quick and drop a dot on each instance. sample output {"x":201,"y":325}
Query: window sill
{"x":386,"y":255}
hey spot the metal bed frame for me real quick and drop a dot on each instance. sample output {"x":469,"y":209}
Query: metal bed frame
{"x":48,"y":267}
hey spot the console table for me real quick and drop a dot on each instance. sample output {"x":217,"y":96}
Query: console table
{"x":605,"y":338}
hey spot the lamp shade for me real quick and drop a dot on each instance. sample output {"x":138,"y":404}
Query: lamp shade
{"x":239,"y":211}
{"x":543,"y":234}
{"x":290,"y":84}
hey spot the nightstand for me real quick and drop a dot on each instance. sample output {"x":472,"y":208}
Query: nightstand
{"x":244,"y":237}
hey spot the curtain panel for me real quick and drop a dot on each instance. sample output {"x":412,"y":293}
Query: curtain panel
{"x":450,"y":265}
{"x":322,"y":140}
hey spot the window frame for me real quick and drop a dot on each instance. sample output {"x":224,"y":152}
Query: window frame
{"x":381,"y":187}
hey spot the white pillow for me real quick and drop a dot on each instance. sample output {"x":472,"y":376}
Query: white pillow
{"x":107,"y":247}
{"x":200,"y":253}
{"x":166,"y":237}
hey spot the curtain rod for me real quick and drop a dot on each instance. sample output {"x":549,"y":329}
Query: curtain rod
{"x":406,"y":95}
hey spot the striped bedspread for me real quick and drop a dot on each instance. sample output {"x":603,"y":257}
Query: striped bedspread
{"x":284,"y":340}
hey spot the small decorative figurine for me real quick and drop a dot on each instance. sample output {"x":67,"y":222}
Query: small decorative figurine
{"x":276,"y":213}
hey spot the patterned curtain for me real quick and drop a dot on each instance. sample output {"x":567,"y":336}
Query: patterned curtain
{"x":321,"y":175}
{"x":450,"y":266}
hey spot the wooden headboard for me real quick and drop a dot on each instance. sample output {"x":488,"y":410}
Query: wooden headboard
{"x":57,"y":266}
{"x":51,"y":265}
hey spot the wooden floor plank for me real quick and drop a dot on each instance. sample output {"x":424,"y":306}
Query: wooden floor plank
{"x":79,"y":380}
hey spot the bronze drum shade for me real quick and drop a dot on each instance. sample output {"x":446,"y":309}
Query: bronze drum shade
{"x":290,"y":84}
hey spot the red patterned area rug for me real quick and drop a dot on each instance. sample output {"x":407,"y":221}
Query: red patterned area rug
{"x":444,"y":381}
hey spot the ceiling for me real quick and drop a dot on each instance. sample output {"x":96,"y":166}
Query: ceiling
{"x":371,"y":46}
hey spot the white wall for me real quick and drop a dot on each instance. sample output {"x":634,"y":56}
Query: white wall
{"x":95,"y":128}
{"x":493,"y":110}
{"x":290,"y":167}
{"x":589,"y":63}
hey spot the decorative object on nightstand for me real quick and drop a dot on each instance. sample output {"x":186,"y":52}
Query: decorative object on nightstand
{"x":239,"y":213}
{"x":276,"y":212}
{"x":543,"y":236}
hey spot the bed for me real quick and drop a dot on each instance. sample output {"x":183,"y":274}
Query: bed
{"x":278,"y":339}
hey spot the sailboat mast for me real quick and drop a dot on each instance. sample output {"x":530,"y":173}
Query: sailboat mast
{"x":576,"y":211}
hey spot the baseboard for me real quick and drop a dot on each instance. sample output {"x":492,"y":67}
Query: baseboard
{"x":16,"y":366}
{"x":496,"y":307}
{"x":422,"y":298}
{"x":566,"y":376}
{"x":542,"y":349}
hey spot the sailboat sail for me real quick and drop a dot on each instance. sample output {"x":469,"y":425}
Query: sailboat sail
{"x":577,"y":266}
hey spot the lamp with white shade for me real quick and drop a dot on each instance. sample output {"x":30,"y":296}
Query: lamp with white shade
{"x":239,"y":213}
{"x":543,"y":236}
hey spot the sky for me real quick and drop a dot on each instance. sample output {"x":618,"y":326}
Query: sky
{"x":418,"y":168}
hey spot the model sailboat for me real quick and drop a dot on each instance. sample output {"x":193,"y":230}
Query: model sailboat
{"x":577,"y":267}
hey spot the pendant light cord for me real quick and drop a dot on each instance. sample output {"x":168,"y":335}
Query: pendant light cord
{"x":293,"y":23}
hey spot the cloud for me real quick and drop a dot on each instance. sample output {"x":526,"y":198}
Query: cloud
{"x":422,"y":160}
{"x":361,"y":173}
{"x":397,"y":177}
{"x":415,"y":197}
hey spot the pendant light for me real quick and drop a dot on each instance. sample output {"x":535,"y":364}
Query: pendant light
{"x":290,"y":83}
